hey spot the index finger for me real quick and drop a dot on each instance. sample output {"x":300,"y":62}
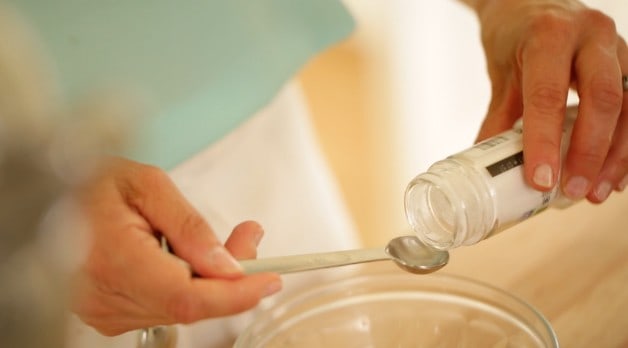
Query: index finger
{"x":158,"y":200}
{"x":545,"y":61}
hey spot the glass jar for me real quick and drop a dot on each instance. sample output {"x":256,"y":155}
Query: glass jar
{"x":478,"y":192}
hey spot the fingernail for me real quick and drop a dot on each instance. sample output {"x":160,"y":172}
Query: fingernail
{"x":220,"y":259}
{"x":576,"y":187}
{"x":623,"y":183}
{"x":273,"y":288}
{"x":543,"y":176}
{"x":603,"y":190}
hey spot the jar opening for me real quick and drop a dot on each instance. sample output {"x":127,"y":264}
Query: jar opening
{"x":433,"y":214}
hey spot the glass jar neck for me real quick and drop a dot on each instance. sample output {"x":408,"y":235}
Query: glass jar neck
{"x":450,"y":205}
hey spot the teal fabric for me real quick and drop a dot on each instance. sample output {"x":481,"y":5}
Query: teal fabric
{"x":209,"y":64}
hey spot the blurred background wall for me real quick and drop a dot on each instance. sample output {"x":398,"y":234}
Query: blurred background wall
{"x":408,"y":88}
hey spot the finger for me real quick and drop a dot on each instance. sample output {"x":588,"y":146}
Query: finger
{"x":166,"y":290}
{"x":600,"y":91}
{"x":209,"y":298}
{"x":614,"y":173}
{"x":615,"y":169}
{"x":192,"y":239}
{"x":545,"y":72}
{"x":243,"y":241}
{"x":158,"y":290}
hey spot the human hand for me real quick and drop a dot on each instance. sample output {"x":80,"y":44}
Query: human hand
{"x":536,"y":51}
{"x":127,"y":282}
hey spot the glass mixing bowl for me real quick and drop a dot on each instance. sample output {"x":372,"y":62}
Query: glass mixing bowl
{"x":400,"y":310}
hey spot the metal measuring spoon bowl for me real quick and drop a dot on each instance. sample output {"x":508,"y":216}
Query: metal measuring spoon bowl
{"x":409,"y":253}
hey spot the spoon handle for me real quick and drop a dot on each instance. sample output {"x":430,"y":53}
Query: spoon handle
{"x":306,"y":262}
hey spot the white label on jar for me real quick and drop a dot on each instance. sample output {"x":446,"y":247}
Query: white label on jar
{"x":501,"y":158}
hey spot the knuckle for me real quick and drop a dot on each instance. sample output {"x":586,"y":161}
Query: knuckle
{"x":192,"y":225}
{"x":182,"y":307}
{"x":553,"y":22}
{"x":152,"y":176}
{"x":547,"y":98}
{"x":548,"y":30}
{"x":144,"y":177}
{"x":588,"y":157}
{"x":600,"y":21}
{"x":606,"y":96}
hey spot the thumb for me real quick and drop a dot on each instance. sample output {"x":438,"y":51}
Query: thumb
{"x":163,"y":206}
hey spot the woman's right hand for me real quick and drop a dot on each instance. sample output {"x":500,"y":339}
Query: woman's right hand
{"x":127,"y":282}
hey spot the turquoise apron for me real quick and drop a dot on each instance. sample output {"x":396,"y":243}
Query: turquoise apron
{"x":208,"y":64}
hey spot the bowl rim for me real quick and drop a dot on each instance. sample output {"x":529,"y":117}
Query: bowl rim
{"x":331,"y":286}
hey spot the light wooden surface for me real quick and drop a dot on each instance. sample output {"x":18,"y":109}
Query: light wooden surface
{"x":571,"y":265}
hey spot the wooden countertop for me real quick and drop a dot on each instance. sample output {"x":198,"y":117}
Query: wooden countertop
{"x":571,"y":264}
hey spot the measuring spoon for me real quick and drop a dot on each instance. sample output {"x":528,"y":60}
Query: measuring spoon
{"x":406,"y":251}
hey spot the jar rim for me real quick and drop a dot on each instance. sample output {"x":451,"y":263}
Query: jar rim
{"x":427,"y":199}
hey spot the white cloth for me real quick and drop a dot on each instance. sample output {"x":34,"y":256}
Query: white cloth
{"x":270,"y":170}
